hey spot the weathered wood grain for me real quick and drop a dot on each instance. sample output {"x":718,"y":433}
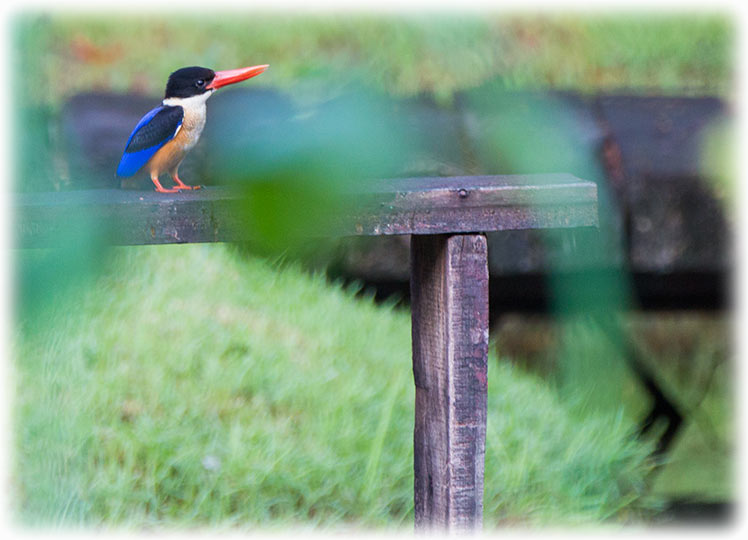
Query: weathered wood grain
{"x":449,"y":292}
{"x":128,"y":217}
{"x":472,"y":204}
{"x":378,"y":207}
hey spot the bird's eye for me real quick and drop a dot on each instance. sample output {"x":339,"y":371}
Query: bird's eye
{"x":200,"y":83}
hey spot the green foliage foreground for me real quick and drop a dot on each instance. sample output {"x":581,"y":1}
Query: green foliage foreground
{"x":194,"y":386}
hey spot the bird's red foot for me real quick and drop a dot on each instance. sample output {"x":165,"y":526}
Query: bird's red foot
{"x":162,"y":189}
{"x":181,"y":185}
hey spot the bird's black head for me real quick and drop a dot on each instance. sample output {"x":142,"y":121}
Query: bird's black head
{"x":189,"y":81}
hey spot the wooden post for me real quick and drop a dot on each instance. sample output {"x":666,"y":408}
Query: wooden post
{"x":449,"y":295}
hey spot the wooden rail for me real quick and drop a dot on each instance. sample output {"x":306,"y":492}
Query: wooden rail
{"x":382,"y":207}
{"x":449,"y":288}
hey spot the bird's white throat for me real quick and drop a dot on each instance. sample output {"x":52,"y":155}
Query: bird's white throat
{"x":193,"y":121}
{"x":192,"y":102}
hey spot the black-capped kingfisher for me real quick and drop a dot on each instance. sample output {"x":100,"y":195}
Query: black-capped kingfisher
{"x":164,"y":136}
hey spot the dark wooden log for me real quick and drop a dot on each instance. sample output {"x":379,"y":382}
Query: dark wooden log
{"x":377,"y":207}
{"x":449,"y":289}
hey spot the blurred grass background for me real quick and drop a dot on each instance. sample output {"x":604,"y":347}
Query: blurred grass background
{"x":403,"y":55}
{"x":193,"y":385}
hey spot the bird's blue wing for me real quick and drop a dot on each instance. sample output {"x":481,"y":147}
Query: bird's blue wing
{"x":153,"y":131}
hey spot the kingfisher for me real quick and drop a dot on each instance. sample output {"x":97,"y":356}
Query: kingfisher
{"x":164,"y":135}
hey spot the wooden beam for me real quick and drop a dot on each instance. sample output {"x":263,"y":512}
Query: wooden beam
{"x":376,"y":207}
{"x":449,"y":294}
{"x":472,"y":204}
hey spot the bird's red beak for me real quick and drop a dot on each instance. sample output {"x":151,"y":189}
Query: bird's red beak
{"x":231,"y":76}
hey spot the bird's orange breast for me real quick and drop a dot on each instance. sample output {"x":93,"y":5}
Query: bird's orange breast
{"x":168,"y":157}
{"x":171,"y":154}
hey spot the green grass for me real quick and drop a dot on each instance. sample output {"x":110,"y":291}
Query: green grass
{"x":693,"y":358}
{"x":404,"y":55}
{"x":191,"y":386}
{"x":690,"y":356}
